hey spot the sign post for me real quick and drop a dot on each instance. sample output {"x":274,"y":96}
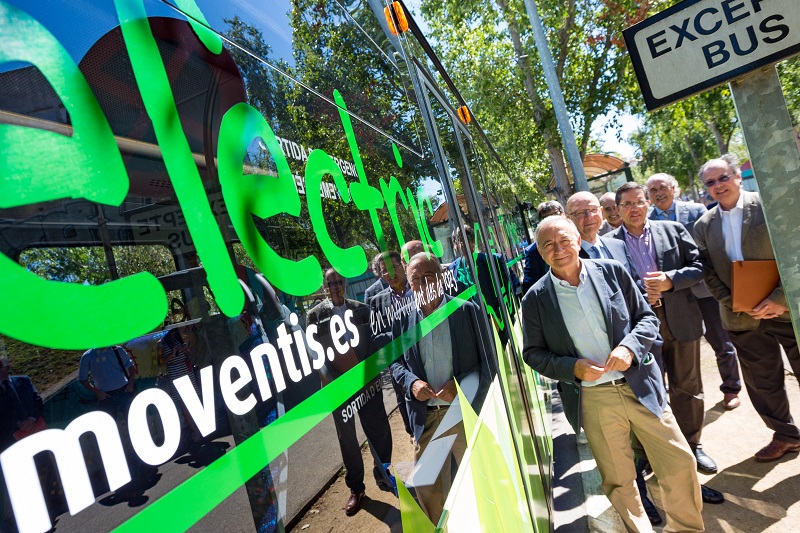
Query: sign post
{"x":698,"y":44}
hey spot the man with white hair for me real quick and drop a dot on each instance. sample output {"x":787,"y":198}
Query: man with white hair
{"x":736,"y":230}
{"x":662,"y":190}
{"x":587,"y":325}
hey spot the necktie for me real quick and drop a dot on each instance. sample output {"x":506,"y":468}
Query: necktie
{"x":594,"y":252}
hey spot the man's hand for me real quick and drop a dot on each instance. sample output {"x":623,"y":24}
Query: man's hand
{"x":587,"y":370}
{"x":100,"y":394}
{"x":448,"y":392}
{"x":657,"y":282}
{"x":422,"y":391}
{"x":619,"y":359}
{"x":767,"y":309}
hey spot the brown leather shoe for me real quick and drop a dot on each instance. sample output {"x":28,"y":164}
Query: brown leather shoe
{"x":353,"y":503}
{"x":775,"y":450}
{"x":730,"y":401}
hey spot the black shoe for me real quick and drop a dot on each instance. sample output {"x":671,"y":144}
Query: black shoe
{"x":705,"y":464}
{"x":710,"y":495}
{"x":652,"y":512}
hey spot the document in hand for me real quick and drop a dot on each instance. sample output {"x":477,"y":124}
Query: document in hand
{"x":752,"y":282}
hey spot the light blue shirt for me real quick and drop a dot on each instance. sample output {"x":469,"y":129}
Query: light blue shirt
{"x":583,"y":316}
{"x":669,"y":214}
{"x":599,"y":246}
{"x":436,"y":352}
{"x":103,"y":365}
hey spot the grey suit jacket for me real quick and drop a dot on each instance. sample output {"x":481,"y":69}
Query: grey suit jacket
{"x":678,"y":257}
{"x":687,"y":213}
{"x":466,"y":334}
{"x":371,"y":291}
{"x":755,"y":245}
{"x":619,"y":251}
{"x":548,"y":348}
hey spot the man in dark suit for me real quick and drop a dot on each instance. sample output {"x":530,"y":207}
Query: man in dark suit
{"x":20,"y":408}
{"x":535,"y":267}
{"x":22,"y":405}
{"x":667,"y":260}
{"x":588,"y":326}
{"x":429,"y":369}
{"x":661,"y":189}
{"x":335,"y":319}
{"x":379,"y":285}
{"x":736,"y":230}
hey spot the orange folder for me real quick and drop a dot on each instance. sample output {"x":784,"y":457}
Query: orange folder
{"x":752,"y":282}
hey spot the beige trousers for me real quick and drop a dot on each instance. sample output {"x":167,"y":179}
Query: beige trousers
{"x":431,"y":498}
{"x":608,"y":414}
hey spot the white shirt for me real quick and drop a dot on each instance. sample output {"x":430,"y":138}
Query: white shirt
{"x":732,"y":229}
{"x":583,"y":316}
{"x":436,"y":352}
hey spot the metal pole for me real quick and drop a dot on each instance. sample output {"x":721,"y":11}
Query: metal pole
{"x":770,"y":139}
{"x":567,"y":135}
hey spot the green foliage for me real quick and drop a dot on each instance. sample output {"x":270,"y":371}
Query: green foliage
{"x":89,"y":265}
{"x":488,"y":49}
{"x":789,"y":72}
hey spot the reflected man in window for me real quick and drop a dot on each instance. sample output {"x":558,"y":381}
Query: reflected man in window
{"x":335,"y":319}
{"x":428,"y":372}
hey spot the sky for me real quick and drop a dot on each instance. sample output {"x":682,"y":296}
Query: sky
{"x":608,"y":138}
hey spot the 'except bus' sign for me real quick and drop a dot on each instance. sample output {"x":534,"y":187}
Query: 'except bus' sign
{"x":698,"y":44}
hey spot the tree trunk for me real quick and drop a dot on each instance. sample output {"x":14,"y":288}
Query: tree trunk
{"x":551,"y":141}
{"x":561,"y":59}
{"x":562,"y":189}
{"x":722,"y":146}
{"x":696,"y":162}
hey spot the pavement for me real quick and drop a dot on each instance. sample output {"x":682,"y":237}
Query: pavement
{"x":761,"y":497}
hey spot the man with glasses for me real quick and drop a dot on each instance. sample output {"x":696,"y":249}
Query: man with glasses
{"x":736,"y":230}
{"x":535,"y":267}
{"x":583,"y":209}
{"x":661,"y":189}
{"x":666,"y":258}
{"x":587,"y":325}
{"x":610,"y":212}
{"x":428,"y":372}
{"x":335,"y":319}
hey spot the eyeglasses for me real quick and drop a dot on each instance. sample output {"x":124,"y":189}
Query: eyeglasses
{"x":585,"y":212}
{"x":637,"y":203}
{"x":722,"y":179}
{"x":337,"y":283}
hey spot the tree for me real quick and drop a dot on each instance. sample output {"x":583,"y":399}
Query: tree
{"x":681,"y":137}
{"x":488,"y":49}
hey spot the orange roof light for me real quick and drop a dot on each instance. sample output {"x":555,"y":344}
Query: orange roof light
{"x":463,"y":114}
{"x":399,"y":17}
{"x":389,"y":20}
{"x":402,"y":21}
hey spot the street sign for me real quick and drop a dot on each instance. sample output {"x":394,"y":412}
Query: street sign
{"x":698,"y":44}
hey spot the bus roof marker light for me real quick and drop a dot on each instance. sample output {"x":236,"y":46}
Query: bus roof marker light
{"x":400,"y":14}
{"x":463,"y":114}
{"x":396,"y":18}
{"x":390,"y":21}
